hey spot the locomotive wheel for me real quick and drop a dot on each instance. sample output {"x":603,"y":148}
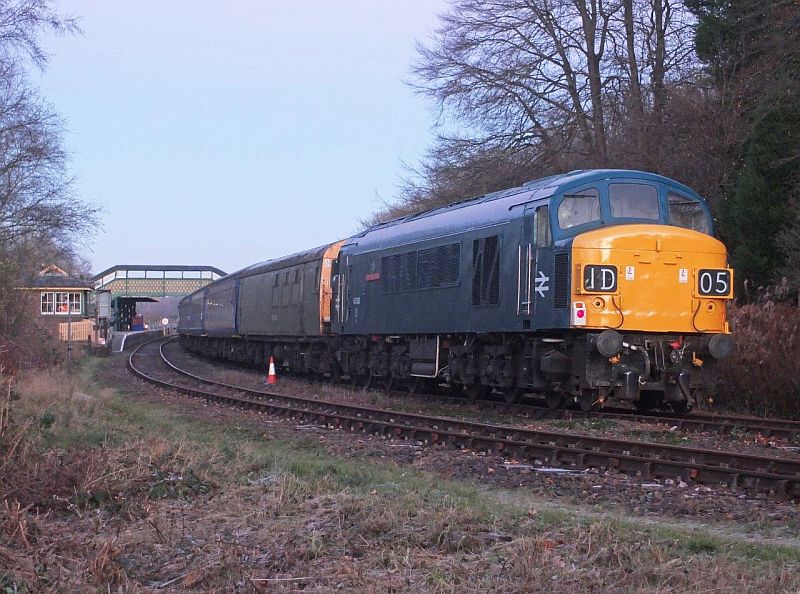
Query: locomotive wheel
{"x":588,"y":400}
{"x":648,"y":400}
{"x":554,"y":400}
{"x":388,"y":383}
{"x":513,"y":395}
{"x":455,"y":390}
{"x":417,"y":385}
{"x":477,"y":392}
{"x":681,"y":407}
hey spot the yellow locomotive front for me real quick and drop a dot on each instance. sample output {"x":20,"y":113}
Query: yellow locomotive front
{"x":653,"y":300}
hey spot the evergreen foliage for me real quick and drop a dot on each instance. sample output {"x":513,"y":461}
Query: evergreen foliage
{"x":752,"y":50}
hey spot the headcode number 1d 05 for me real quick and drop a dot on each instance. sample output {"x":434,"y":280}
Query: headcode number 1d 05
{"x":715,"y":283}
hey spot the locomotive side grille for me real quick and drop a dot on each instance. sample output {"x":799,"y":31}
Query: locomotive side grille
{"x":399,"y":272}
{"x":425,"y":269}
{"x":439,"y":266}
{"x":561,"y":283}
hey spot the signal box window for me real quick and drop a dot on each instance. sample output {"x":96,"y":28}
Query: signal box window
{"x":61,"y":303}
{"x":633,"y":201}
{"x":687,"y":213}
{"x":579,"y":208}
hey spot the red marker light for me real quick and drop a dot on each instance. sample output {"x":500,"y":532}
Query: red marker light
{"x":578,"y":313}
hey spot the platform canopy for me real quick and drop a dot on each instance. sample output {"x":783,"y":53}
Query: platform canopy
{"x":145,"y":280}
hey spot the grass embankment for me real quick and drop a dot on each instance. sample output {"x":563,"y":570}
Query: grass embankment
{"x":105,"y":489}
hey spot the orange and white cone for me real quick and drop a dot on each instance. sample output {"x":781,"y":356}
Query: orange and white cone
{"x":272,"y":378}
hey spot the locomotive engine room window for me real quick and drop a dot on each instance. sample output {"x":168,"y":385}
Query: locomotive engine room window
{"x":486,"y":271}
{"x":579,"y":208}
{"x":633,"y":201}
{"x":543,"y":237}
{"x":687,"y":213}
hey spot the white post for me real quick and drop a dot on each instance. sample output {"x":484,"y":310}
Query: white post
{"x":69,"y":332}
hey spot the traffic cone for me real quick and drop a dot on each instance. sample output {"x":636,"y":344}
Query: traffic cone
{"x":272,"y":378}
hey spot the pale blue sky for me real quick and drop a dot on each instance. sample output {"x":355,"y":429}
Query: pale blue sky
{"x":269,"y":125}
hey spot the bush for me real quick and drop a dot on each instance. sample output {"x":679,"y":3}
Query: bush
{"x":763,"y":376}
{"x":23,"y":344}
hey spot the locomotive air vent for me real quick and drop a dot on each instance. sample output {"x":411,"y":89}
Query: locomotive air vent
{"x":561,"y":283}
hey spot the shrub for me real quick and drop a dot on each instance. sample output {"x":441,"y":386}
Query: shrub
{"x":763,"y":375}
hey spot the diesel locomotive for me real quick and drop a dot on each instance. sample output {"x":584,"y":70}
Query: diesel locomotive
{"x":585,"y":287}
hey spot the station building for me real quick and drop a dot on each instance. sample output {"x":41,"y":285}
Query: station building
{"x":93,"y":309}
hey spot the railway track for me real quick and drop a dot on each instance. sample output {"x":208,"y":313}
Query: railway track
{"x":716,"y":423}
{"x":647,"y":460}
{"x":694,"y":423}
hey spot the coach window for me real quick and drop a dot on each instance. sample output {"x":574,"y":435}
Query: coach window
{"x":687,"y":213}
{"x":633,"y":201}
{"x":276,"y":291}
{"x":543,"y":236}
{"x":579,"y":208}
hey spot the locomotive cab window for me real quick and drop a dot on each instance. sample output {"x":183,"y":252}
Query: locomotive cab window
{"x":579,"y":208}
{"x":633,"y":201}
{"x":686,"y":212}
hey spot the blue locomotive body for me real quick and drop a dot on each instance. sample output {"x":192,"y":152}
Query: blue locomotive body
{"x":501,"y":292}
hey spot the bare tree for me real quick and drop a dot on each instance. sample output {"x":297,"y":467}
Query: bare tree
{"x":36,"y":198}
{"x":551,"y":75}
{"x":21,"y":25}
{"x":526,"y":88}
{"x":35,"y":190}
{"x":40,"y":217}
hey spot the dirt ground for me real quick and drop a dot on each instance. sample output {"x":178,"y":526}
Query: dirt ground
{"x":115,"y":486}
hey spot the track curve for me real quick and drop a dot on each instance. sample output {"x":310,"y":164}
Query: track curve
{"x":648,"y":460}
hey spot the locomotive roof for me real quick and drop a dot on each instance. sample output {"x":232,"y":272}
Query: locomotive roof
{"x":490,"y":209}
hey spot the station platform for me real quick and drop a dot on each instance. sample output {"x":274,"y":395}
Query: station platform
{"x":127,"y":341}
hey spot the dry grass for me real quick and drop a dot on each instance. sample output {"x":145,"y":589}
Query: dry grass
{"x":104,"y":492}
{"x":763,"y":376}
